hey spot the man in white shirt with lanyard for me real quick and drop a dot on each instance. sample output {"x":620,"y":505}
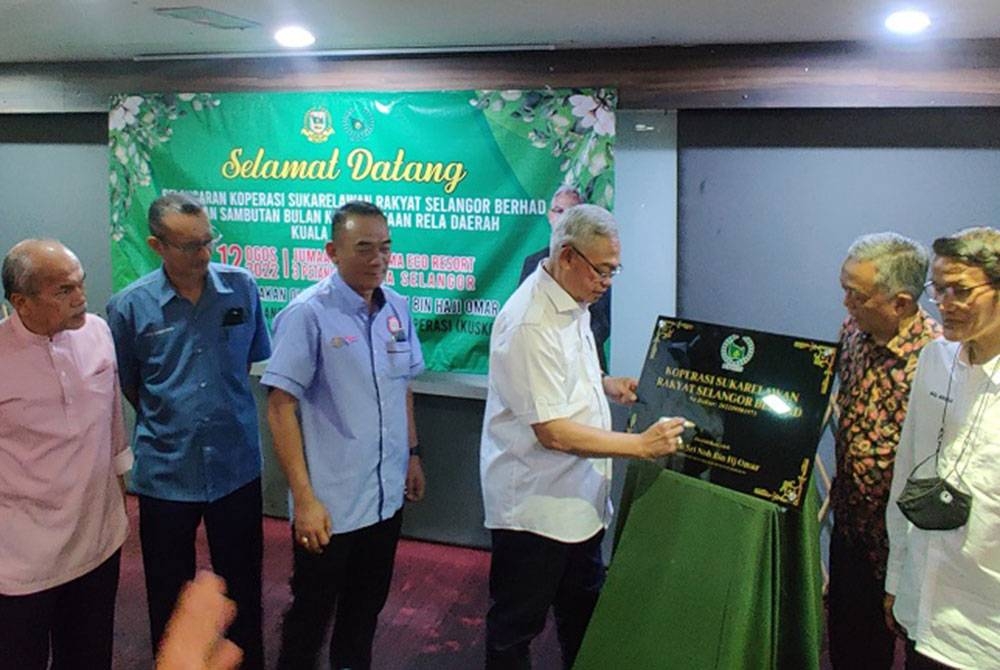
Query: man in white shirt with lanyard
{"x":547,"y":441}
{"x":943,"y":586}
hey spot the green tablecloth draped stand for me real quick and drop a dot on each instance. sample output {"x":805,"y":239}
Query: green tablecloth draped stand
{"x":705,"y":578}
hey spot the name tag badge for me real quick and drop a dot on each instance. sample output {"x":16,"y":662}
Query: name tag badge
{"x":159,"y":331}
{"x":395,"y":329}
{"x":339,"y":341}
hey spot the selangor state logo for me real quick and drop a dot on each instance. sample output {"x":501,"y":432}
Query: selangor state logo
{"x":735,"y":354}
{"x":358,"y":121}
{"x":317,"y":125}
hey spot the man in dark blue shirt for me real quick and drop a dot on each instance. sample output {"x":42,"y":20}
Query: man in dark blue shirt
{"x":186,"y":335}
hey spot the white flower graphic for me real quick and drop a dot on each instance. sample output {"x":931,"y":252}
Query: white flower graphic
{"x":125,"y":113}
{"x":593,"y":113}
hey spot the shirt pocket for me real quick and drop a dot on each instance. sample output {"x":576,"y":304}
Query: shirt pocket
{"x":235,"y":340}
{"x":398,"y":356}
{"x":102,"y":380}
{"x":152,"y":344}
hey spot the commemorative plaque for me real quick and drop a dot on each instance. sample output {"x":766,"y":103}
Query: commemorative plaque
{"x":756,"y":399}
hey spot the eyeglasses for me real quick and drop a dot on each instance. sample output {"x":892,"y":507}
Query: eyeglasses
{"x":959,"y":294}
{"x":603,"y":274}
{"x":194,"y":247}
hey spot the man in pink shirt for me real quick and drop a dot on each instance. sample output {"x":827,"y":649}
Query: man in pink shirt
{"x":62,"y":454}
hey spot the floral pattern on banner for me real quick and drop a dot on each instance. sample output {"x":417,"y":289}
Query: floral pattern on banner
{"x":574,"y":124}
{"x":874,"y":390}
{"x":136,"y":125}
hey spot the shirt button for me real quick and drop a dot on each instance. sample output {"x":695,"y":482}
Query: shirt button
{"x":198,"y":350}
{"x":203,"y":385}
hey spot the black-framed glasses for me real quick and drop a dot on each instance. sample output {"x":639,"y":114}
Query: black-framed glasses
{"x":959,"y":294}
{"x":603,"y":274}
{"x":194,"y":247}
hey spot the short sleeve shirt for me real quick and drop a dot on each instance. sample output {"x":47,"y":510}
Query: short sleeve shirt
{"x":543,"y":366}
{"x":196,"y":437}
{"x":349,"y":369}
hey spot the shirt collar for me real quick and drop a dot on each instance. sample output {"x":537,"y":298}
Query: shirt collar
{"x":24,"y":335}
{"x":562,"y":300}
{"x":350,"y":298}
{"x":213,"y":283}
{"x":991,"y":368}
{"x":913,"y":331}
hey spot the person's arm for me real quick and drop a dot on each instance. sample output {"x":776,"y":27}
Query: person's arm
{"x":528,"y":371}
{"x":415,"y":482}
{"x":260,"y":347}
{"x":123,"y":336}
{"x":566,"y":435}
{"x":311,"y":521}
{"x":121,"y":449}
{"x":194,"y":636}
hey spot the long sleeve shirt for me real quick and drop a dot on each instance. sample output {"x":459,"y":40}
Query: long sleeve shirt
{"x":62,"y":448}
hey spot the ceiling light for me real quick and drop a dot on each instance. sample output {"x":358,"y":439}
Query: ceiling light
{"x":908,"y":22}
{"x":294,"y":37}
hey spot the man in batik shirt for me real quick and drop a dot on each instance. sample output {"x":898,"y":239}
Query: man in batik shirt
{"x":881,"y":339}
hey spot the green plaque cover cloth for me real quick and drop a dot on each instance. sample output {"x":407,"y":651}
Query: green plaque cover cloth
{"x":707,"y":578}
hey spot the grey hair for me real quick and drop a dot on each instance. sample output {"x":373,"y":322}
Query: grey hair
{"x":19,"y":266}
{"x":579,"y":225}
{"x":978,"y":246}
{"x":180,"y":203}
{"x":900,"y":263}
{"x":566,"y":189}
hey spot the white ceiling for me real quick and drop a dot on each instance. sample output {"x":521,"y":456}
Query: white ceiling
{"x":69,"y":30}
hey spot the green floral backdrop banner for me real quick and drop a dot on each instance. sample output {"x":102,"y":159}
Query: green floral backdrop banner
{"x":464,"y":177}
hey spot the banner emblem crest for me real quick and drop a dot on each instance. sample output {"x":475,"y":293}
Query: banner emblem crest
{"x":317,"y":125}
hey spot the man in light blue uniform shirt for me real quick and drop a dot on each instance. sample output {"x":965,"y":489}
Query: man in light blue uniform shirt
{"x":185,"y":336}
{"x":341,"y":413}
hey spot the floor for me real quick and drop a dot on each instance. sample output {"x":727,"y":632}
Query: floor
{"x":433,"y":619}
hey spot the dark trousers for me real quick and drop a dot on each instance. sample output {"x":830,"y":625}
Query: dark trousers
{"x":528,"y":575}
{"x":859,"y":638}
{"x":75,"y":620}
{"x":917,"y":661}
{"x":351,"y":577}
{"x":235,"y":542}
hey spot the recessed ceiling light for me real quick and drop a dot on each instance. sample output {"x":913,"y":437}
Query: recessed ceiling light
{"x":294,"y":37}
{"x":907,"y":22}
